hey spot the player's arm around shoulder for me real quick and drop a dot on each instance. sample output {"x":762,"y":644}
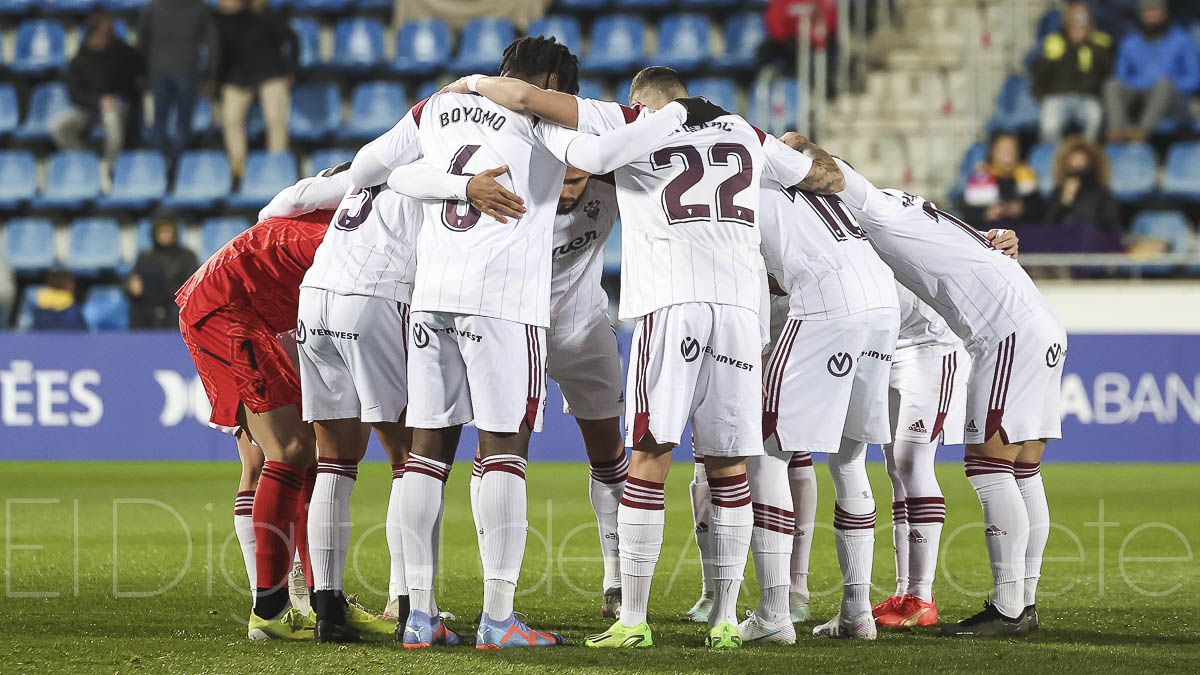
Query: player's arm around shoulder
{"x":824,"y":177}
{"x":520,"y":96}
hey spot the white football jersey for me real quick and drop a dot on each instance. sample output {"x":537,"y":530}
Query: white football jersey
{"x":369,"y":248}
{"x":981,"y":293}
{"x":922,"y":331}
{"x":818,"y":254}
{"x":690,"y":212}
{"x":579,"y":238}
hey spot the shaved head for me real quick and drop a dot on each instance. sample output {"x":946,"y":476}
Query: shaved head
{"x":656,"y":86}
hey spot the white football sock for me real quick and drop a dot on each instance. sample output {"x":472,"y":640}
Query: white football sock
{"x":853,"y":524}
{"x":605,"y":486}
{"x":476,"y":476}
{"x":395,"y":537}
{"x":329,"y":522}
{"x":899,"y":521}
{"x":701,"y":525}
{"x":1033,"y":492}
{"x":926,"y":512}
{"x":1006,"y":529}
{"x":773,"y":531}
{"x":732,"y":521}
{"x":243,"y":527}
{"x":422,"y":496}
{"x":503,"y":518}
{"x":640,"y":519}
{"x":802,"y":479}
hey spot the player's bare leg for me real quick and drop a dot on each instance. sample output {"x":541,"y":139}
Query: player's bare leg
{"x":396,"y":439}
{"x":609,"y":468}
{"x":771,"y":542}
{"x":802,"y":479}
{"x":243,"y":505}
{"x":701,"y":514}
{"x":854,"y":536}
{"x":1028,"y":471}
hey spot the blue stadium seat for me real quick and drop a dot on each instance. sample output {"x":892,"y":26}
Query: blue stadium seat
{"x":266,"y":174}
{"x":581,"y":5}
{"x":1182,"y":178}
{"x":427,"y":89}
{"x":10,"y":114}
{"x":743,"y":35}
{"x":1170,"y":226}
{"x":72,"y":181}
{"x":308,"y":33}
{"x":124,"y":5}
{"x":682,"y":42}
{"x":143,"y":237}
{"x":202,"y":179}
{"x":316,"y":111}
{"x":375,"y":107}
{"x":375,"y":5}
{"x":612,"y":250}
{"x":17,"y":7}
{"x":139,"y":181}
{"x":94,"y":246}
{"x":1016,"y":109}
{"x":29,"y":245}
{"x":618,"y":44}
{"x":1133,"y":170}
{"x":25,"y":309}
{"x":106,"y":309}
{"x":719,"y":90}
{"x":592,"y":89}
{"x":422,"y":46}
{"x":324,"y":159}
{"x":481,"y":44}
{"x":1049,"y":23}
{"x":564,"y":29}
{"x":40,"y":48}
{"x":1041,"y":160}
{"x":642,"y":4}
{"x":973,"y":156}
{"x":706,"y":4}
{"x":69,"y":6}
{"x":357,"y":45}
{"x":18,"y":178}
{"x":329,"y":6}
{"x":216,"y":232}
{"x":48,"y":101}
{"x":783,"y":106}
{"x":202,"y":120}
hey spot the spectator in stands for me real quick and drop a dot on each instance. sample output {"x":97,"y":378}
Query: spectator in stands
{"x":104,"y":82}
{"x":54,"y":307}
{"x":782,"y":24}
{"x":1158,"y":68}
{"x":259,"y":55}
{"x":1081,"y":187}
{"x":157,"y":274}
{"x":176,"y":37}
{"x":8,"y":294}
{"x":1002,"y":188}
{"x":1070,"y":73}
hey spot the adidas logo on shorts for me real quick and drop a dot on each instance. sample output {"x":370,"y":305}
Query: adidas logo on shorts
{"x":918,"y":426}
{"x":971,"y":426}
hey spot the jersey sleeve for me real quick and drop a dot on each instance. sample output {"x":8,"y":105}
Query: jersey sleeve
{"x":613,"y":148}
{"x":421,"y":181}
{"x":308,"y":195}
{"x":397,"y":146}
{"x":596,"y":117}
{"x":783,"y":164}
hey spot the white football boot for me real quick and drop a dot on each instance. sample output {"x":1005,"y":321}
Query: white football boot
{"x":755,"y":629}
{"x":860,"y":627}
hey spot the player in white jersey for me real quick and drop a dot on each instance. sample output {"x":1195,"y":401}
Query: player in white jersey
{"x":481,"y":298}
{"x":1017,"y":347}
{"x":691,"y":278}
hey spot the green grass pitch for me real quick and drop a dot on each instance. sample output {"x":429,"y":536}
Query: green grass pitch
{"x":1119,"y":597}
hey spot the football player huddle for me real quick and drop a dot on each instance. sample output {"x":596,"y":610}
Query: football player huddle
{"x":783,"y":306}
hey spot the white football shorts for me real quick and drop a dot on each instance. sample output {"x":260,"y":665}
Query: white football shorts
{"x":476,"y":368}
{"x":697,"y":361}
{"x":828,"y":378}
{"x":928,"y":395}
{"x":586,"y":364}
{"x":353,"y":356}
{"x":1015,"y":384}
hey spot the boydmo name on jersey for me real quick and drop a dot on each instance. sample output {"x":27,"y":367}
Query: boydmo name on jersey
{"x":49,"y":398}
{"x":488,"y":118}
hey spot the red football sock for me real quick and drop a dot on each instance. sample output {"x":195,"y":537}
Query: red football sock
{"x":306,"y":493}
{"x":276,"y":503}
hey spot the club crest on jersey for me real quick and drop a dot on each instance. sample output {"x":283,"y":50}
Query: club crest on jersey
{"x":592,"y":209}
{"x":690,"y":348}
{"x":420,"y":336}
{"x":1054,"y":355}
{"x":839,"y":364}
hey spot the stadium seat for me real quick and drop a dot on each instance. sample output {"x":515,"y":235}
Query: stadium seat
{"x":612,"y":250}
{"x":973,"y":156}
{"x":642,"y":4}
{"x":324,"y":159}
{"x":783,"y":107}
{"x":69,"y":6}
{"x":481,"y":44}
{"x":1182,"y":178}
{"x":743,"y":35}
{"x":564,"y":29}
{"x":1041,"y":160}
{"x":266,"y":174}
{"x":40,"y":48}
{"x":17,"y":7}
{"x":329,"y":6}
{"x":618,"y":45}
{"x":357,"y":45}
{"x":682,"y":42}
{"x":1169,"y":226}
{"x":581,"y":5}
{"x":94,"y":246}
{"x":139,"y":180}
{"x":719,"y":90}
{"x":427,"y":89}
{"x":48,"y":101}
{"x":25,"y":310}
{"x":1133,"y":170}
{"x":18,"y":178}
{"x":375,"y":5}
{"x":308,"y":33}
{"x":72,"y":181}
{"x":422,"y":46}
{"x":202,"y":121}
{"x":106,"y":309}
{"x":29,"y":245}
{"x":10,"y":113}
{"x":124,"y":5}
{"x":592,"y":89}
{"x":375,"y":107}
{"x":202,"y":179}
{"x":216,"y":232}
{"x":316,"y":111}
{"x":706,"y":4}
{"x":143,"y":238}
{"x":1016,"y":109}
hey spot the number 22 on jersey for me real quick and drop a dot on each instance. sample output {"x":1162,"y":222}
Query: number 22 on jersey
{"x":694,"y":168}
